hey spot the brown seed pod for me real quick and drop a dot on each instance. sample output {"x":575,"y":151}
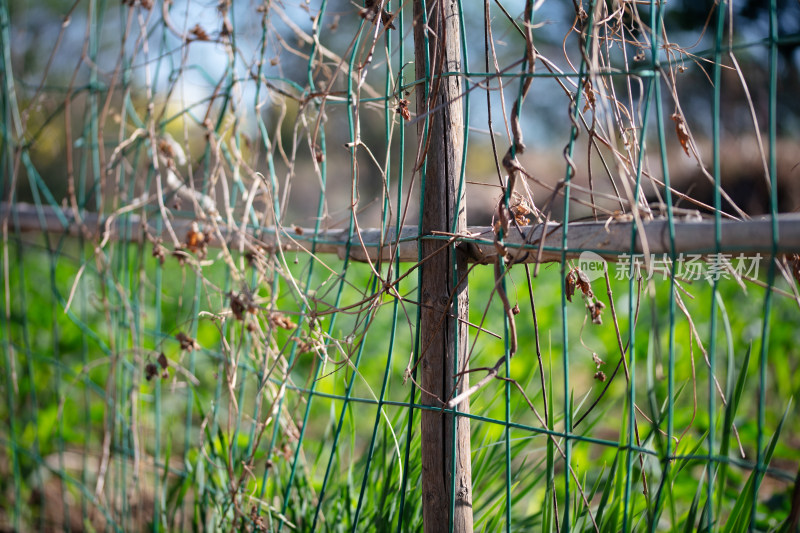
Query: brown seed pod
{"x":196,"y":241}
{"x":257,"y":519}
{"x":150,"y":371}
{"x":187,"y":343}
{"x":237,"y":306}
{"x":165,"y":148}
{"x":402,"y":109}
{"x":279,"y":320}
{"x":241,"y":303}
{"x":596,"y":311}
{"x":159,"y":252}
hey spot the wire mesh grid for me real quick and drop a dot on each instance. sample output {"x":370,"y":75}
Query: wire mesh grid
{"x":182,"y":350}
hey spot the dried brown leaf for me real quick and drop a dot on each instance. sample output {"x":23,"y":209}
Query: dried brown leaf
{"x":569,"y":285}
{"x":402,"y":109}
{"x":583,"y":283}
{"x":197,"y":241}
{"x":682,"y":131}
{"x":281,"y":321}
{"x":596,"y":311}
{"x":591,"y":99}
{"x":199,"y":33}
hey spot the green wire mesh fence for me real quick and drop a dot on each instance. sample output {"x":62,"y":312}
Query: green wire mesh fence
{"x":218,"y":251}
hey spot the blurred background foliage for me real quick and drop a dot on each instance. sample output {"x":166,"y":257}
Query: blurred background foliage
{"x":180,"y":442}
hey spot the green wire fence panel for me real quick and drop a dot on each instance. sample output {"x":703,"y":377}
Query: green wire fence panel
{"x":225,"y":223}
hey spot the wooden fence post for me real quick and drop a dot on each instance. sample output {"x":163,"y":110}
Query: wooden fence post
{"x":445,"y":304}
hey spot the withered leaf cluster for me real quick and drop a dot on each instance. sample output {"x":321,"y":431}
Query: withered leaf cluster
{"x":151,"y":370}
{"x":256,"y":258}
{"x":402,"y":109}
{"x":304,"y":345}
{"x":520,"y":209}
{"x":187,"y":343}
{"x":595,"y":308}
{"x":165,"y":147}
{"x":197,"y":241}
{"x":198,"y":33}
{"x":159,"y":252}
{"x":257,"y":519}
{"x":280,"y":320}
{"x":599,"y":375}
{"x":372,"y":8}
{"x":242,"y":303}
{"x":578,"y":280}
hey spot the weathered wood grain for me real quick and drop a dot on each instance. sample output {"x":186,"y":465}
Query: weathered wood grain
{"x":443,"y":288}
{"x":608,"y":239}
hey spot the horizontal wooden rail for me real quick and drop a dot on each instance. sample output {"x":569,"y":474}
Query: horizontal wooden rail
{"x":609,"y":239}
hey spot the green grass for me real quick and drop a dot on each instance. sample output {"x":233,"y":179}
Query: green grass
{"x":179,"y":444}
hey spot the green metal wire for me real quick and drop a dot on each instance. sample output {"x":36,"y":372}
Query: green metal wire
{"x":712,"y":349}
{"x":656,"y":21}
{"x":570,"y":170}
{"x":417,"y":341}
{"x":767,"y":311}
{"x":396,"y":265}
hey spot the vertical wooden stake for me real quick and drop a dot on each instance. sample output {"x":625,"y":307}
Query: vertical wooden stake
{"x":443,"y":331}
